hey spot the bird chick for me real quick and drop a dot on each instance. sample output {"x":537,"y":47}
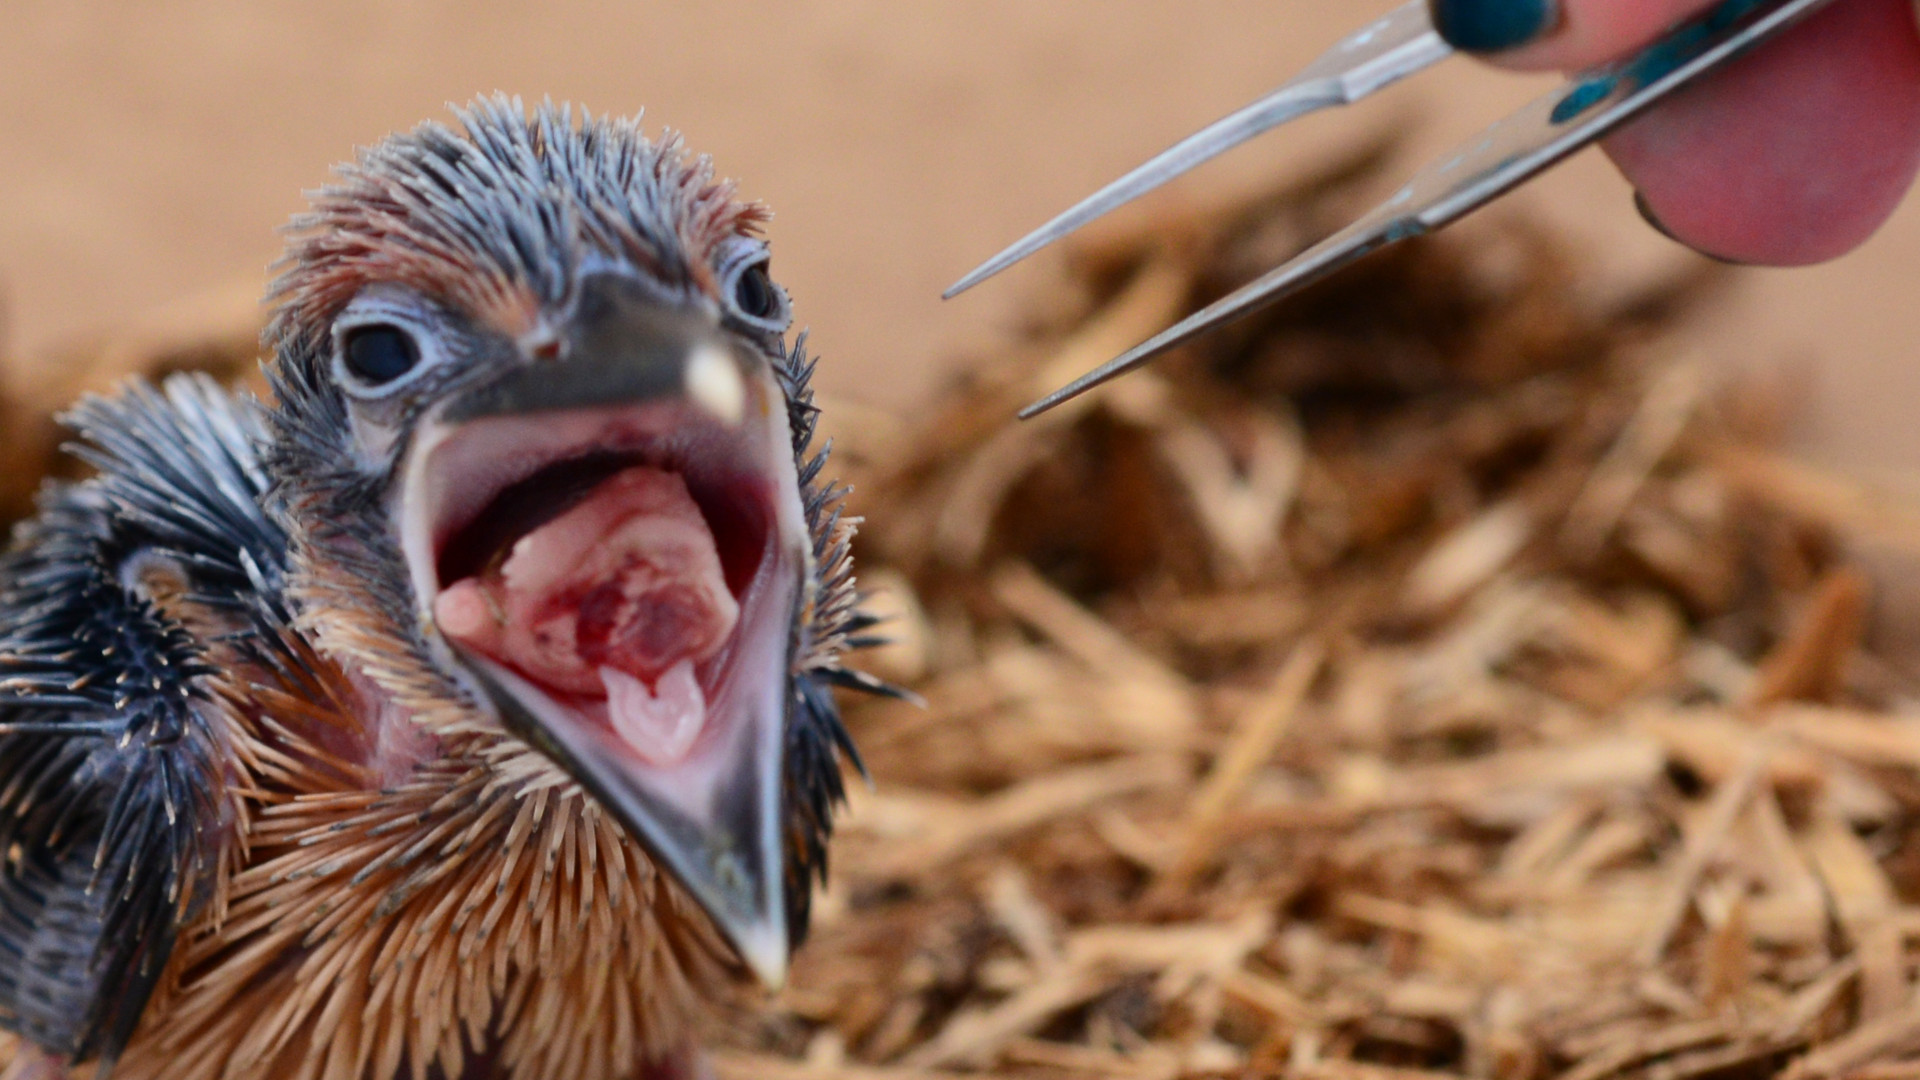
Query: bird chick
{"x":464,"y":710}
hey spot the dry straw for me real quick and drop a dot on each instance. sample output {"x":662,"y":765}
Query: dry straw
{"x":1433,"y":676}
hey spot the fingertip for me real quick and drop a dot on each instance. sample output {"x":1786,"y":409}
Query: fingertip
{"x":1493,"y":26}
{"x":1586,"y":33}
{"x":1793,"y":155}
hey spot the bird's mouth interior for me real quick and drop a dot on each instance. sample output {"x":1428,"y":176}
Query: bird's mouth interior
{"x":631,"y":565}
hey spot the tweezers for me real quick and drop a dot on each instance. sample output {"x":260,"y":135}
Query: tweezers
{"x":1501,"y":158}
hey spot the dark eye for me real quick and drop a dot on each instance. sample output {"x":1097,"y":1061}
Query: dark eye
{"x":380,"y":353}
{"x":755,"y":294}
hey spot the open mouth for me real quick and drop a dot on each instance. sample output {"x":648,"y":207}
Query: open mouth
{"x":621,"y":581}
{"x":615,"y":578}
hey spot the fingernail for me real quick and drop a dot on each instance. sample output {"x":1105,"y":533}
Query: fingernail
{"x":1647,"y":215}
{"x":1492,"y":25}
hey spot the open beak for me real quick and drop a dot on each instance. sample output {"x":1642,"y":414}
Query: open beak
{"x":611,"y":545}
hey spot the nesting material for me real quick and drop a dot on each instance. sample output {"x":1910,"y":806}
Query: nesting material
{"x":1429,"y":677}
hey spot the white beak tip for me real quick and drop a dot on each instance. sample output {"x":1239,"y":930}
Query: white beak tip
{"x":714,"y":383}
{"x":765,"y":954}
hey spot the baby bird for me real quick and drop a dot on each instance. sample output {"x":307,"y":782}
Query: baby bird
{"x":464,"y":710}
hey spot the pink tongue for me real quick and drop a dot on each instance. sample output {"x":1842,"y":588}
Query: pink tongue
{"x":618,"y":598}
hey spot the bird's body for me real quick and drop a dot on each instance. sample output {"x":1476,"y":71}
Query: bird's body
{"x":275,"y":804}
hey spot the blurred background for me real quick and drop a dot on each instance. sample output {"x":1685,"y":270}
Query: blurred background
{"x":152,"y":150}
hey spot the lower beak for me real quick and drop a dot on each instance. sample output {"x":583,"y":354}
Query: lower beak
{"x":719,"y":835}
{"x":713,"y":816}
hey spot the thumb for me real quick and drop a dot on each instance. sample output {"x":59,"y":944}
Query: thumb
{"x":1794,"y":153}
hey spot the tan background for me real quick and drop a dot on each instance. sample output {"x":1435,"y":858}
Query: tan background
{"x":148,"y":151}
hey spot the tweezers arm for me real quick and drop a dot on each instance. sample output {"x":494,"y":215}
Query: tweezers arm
{"x":1504,"y":156}
{"x":1400,"y":43}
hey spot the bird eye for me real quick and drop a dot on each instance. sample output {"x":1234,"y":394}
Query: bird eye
{"x":379,"y":353}
{"x":755,"y":293}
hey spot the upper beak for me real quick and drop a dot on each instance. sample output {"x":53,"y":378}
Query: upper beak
{"x":714,"y":819}
{"x":623,"y":349}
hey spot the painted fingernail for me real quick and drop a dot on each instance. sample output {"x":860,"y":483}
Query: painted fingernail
{"x":1647,"y":215}
{"x":1492,"y":25}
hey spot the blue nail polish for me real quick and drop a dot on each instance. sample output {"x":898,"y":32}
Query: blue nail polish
{"x":1492,"y":25}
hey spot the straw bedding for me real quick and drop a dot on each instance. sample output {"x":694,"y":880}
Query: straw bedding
{"x":1432,"y":676}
